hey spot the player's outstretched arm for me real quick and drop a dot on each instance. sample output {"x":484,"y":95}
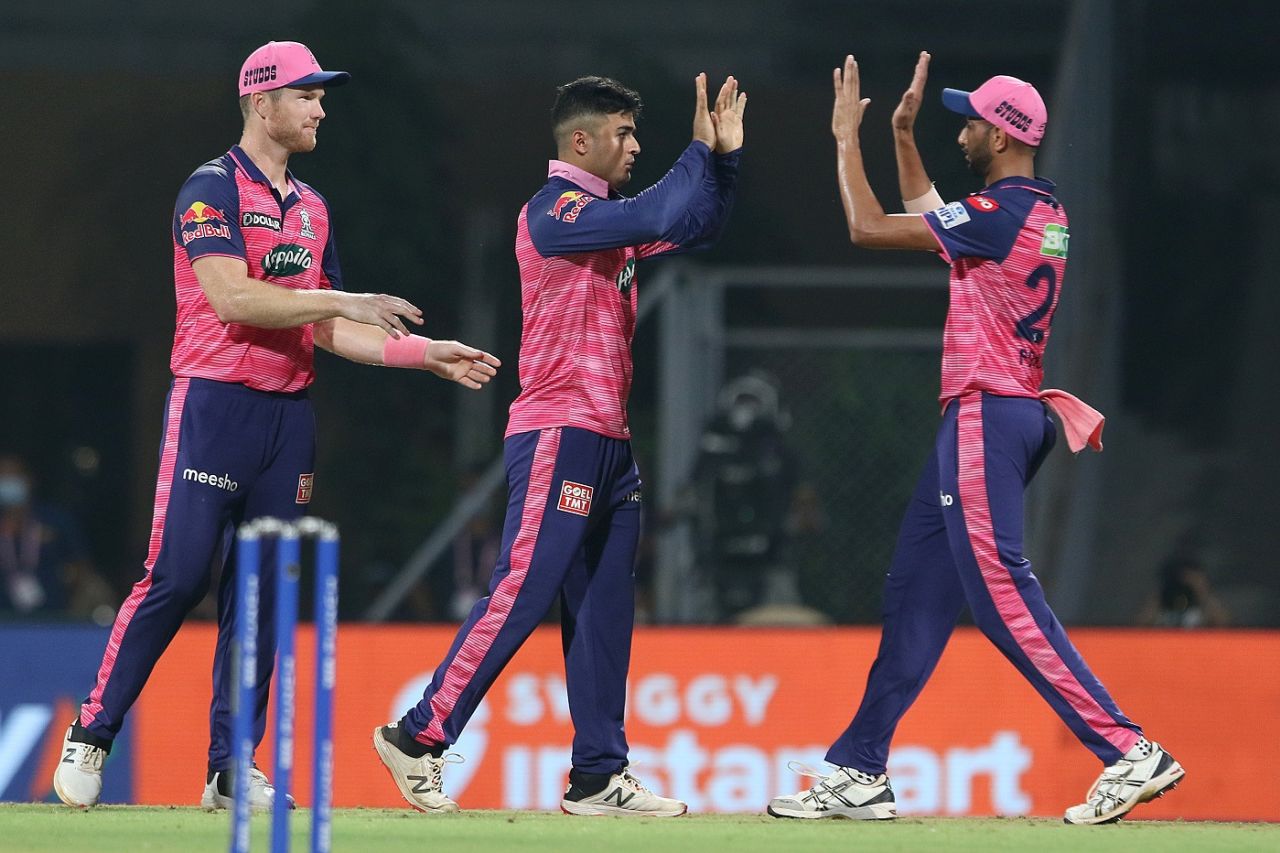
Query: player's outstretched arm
{"x":366,"y":344}
{"x":237,"y":298}
{"x":918,"y":194}
{"x":868,"y":225}
{"x":460,"y":363}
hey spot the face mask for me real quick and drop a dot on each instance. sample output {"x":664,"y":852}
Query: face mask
{"x":13,"y":490}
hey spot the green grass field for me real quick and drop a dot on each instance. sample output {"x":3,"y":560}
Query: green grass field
{"x":133,"y":829}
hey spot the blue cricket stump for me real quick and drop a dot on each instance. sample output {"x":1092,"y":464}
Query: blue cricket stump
{"x":248,"y":579}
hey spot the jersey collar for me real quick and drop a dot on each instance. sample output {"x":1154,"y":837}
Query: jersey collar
{"x":1044,"y":186}
{"x":255,"y":174}
{"x":597,"y":186}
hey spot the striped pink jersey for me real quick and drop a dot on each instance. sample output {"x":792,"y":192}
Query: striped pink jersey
{"x":577,"y":245}
{"x":1007,"y":247}
{"x":229,"y":208}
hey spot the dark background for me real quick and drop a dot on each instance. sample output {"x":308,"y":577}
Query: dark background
{"x":427,"y":156}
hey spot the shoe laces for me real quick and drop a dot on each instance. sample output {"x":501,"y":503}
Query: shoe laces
{"x":827,"y":776}
{"x":1109,"y":791}
{"x":435,"y":768}
{"x":635,"y":784}
{"x":90,"y":758}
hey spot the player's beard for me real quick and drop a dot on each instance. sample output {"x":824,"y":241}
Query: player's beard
{"x":979,"y":155}
{"x":298,"y":141}
{"x":293,"y":138}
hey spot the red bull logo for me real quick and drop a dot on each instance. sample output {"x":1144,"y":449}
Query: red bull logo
{"x":578,"y":200}
{"x":203,"y":220}
{"x":201,"y":212}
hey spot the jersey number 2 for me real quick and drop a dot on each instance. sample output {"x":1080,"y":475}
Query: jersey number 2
{"x":1025,"y":328}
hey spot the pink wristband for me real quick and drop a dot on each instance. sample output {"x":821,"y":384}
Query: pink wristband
{"x":404,"y":351}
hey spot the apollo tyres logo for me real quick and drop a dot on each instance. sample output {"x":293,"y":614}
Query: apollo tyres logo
{"x":203,"y":220}
{"x":574,"y":201}
{"x":286,"y":259}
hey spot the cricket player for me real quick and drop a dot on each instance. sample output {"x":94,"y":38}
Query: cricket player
{"x":573,"y":511}
{"x":258,"y":286}
{"x":961,"y":539}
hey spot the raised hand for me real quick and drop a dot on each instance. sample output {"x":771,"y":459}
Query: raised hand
{"x":904,"y":117}
{"x":460,"y":363}
{"x":846,"y":114}
{"x":704,"y":130}
{"x":381,"y":310}
{"x":731,"y":105}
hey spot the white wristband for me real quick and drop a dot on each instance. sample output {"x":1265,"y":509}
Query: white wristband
{"x":925,"y":203}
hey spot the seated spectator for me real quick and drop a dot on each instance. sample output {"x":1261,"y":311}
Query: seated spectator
{"x":44,"y":566}
{"x":1185,"y":598}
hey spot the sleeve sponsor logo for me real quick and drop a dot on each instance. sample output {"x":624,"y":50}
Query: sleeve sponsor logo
{"x":574,"y":201}
{"x":951,"y":215}
{"x":1054,"y":243}
{"x":305,"y":483}
{"x":575,"y":498}
{"x":203,"y":220}
{"x":287,"y":259}
{"x":253,"y":219}
{"x":261,"y":74}
{"x":981,"y":202}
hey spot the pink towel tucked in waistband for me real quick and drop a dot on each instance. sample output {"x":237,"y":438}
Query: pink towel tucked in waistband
{"x":1081,"y":422}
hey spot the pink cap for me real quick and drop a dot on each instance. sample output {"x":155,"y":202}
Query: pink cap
{"x":1008,"y":103}
{"x":285,"y":63}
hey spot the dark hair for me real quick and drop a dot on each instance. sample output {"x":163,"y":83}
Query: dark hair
{"x":592,"y":96}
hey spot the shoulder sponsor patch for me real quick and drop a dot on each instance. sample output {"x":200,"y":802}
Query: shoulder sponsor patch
{"x":983,"y":203}
{"x":569,"y":205}
{"x":951,"y":215}
{"x":203,"y":220}
{"x":575,"y":498}
{"x":1054,"y":242}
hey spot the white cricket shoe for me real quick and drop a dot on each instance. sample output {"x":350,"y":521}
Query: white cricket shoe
{"x":843,"y":793}
{"x":219,"y":792}
{"x":77,"y":779}
{"x":420,"y":780}
{"x":1144,"y":773}
{"x":623,"y":795}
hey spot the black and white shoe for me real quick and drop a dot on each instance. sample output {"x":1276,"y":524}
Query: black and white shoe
{"x":419,"y":778}
{"x":1144,"y":773}
{"x":622,"y":795}
{"x":77,"y":779}
{"x":219,"y":792}
{"x":843,"y":793}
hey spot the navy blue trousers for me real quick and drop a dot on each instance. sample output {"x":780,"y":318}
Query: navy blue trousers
{"x":229,"y":453}
{"x":571,"y":530}
{"x":961,"y":543}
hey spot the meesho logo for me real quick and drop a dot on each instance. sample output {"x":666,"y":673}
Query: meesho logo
{"x":221,"y":481}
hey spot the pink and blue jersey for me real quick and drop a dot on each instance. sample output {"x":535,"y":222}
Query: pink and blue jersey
{"x":1007,"y":247}
{"x":229,"y":208}
{"x":577,"y":244}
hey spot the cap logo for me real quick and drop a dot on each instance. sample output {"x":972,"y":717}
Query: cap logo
{"x":261,"y":74}
{"x":1016,"y":118}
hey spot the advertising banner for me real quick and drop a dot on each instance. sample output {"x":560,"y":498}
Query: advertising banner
{"x":715,"y":717}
